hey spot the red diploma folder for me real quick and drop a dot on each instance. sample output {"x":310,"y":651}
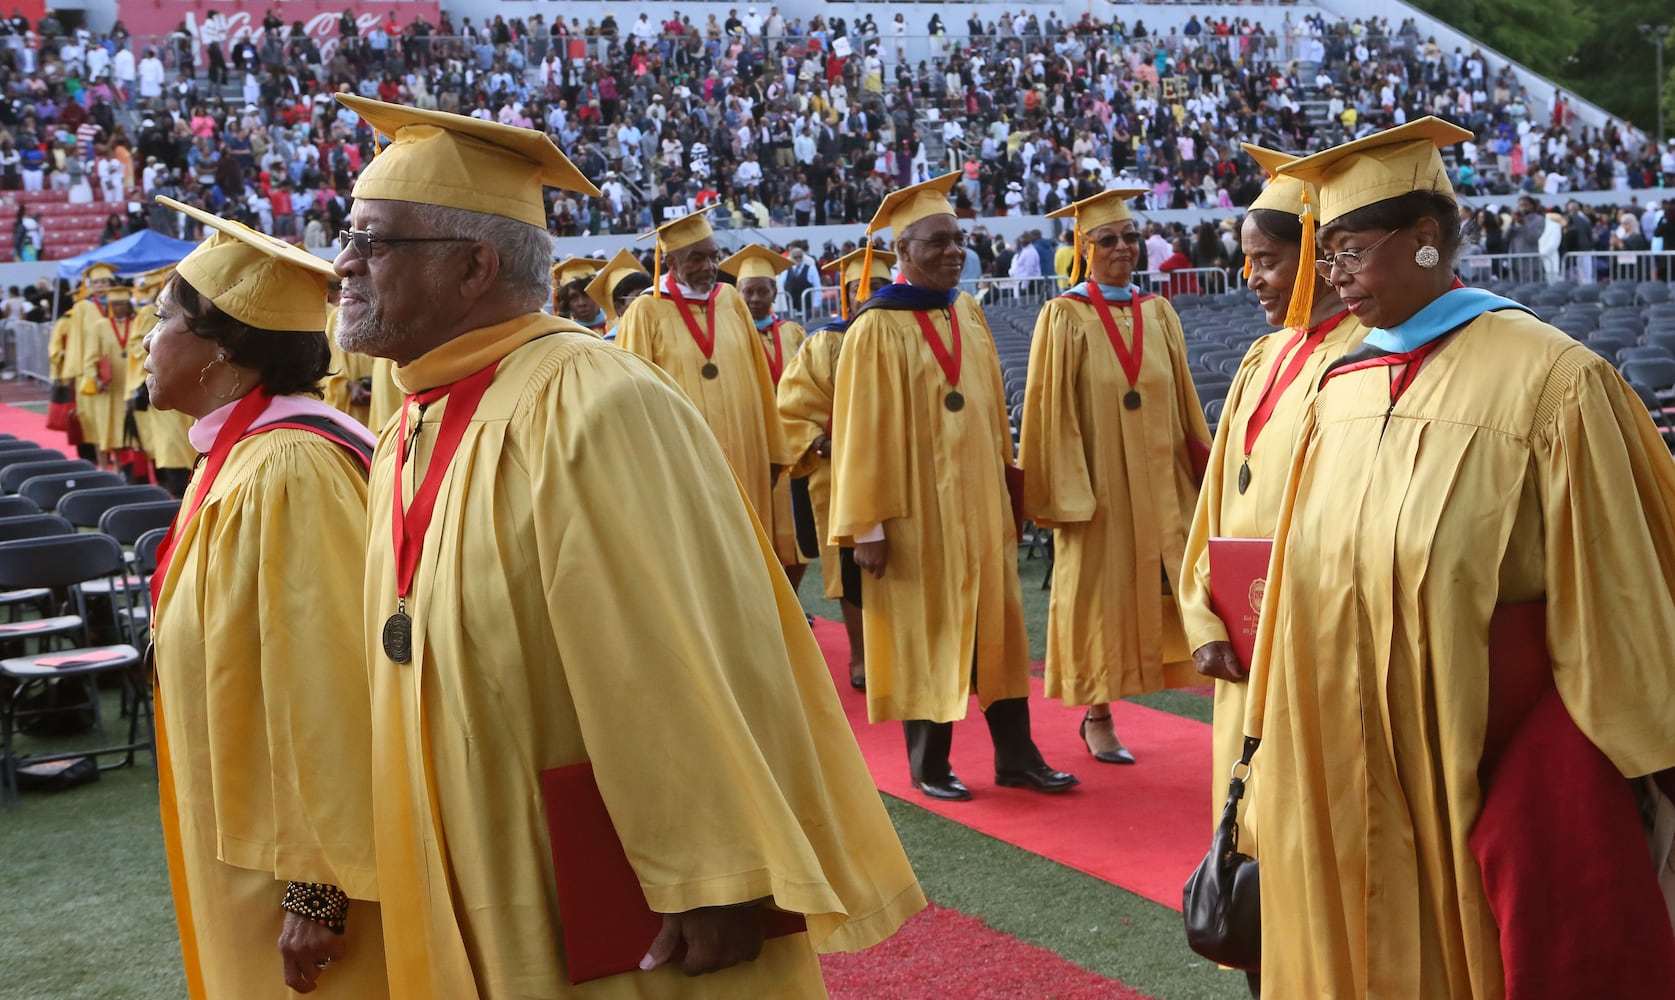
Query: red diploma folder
{"x":607,"y":925}
{"x":1238,"y":577}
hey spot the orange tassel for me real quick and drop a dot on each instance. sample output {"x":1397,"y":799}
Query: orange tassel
{"x":1246,"y":270}
{"x":1302,"y":292}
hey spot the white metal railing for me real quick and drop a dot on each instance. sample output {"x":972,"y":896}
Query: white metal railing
{"x":29,"y":344}
{"x":1601,"y":266}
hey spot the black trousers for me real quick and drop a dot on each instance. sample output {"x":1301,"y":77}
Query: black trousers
{"x":928,"y":742}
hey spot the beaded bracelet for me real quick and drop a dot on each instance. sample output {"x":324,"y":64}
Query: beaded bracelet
{"x":324,"y":904}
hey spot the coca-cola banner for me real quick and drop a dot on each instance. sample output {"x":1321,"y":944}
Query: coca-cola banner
{"x":150,"y":21}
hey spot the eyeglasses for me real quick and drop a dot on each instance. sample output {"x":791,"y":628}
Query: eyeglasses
{"x":363,"y":242}
{"x":1349,"y":261}
{"x":1131,"y":237}
{"x":940,"y":243}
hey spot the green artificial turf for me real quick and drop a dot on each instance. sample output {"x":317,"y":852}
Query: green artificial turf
{"x":84,"y":891}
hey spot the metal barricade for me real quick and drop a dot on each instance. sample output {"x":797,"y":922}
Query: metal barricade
{"x":1595,"y":267}
{"x":1526,"y":268}
{"x":1205,"y":281}
{"x":29,"y":342}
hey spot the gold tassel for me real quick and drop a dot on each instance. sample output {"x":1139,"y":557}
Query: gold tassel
{"x":377,"y":142}
{"x":657,"y":271}
{"x":1079,"y":266}
{"x":865,"y":291}
{"x":1302,"y":291}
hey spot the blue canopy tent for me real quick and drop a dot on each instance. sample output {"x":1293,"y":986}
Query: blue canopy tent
{"x":144,"y":251}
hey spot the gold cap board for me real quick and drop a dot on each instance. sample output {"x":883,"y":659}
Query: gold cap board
{"x":571,"y":268}
{"x":603,"y":286}
{"x":852,"y":265}
{"x":97,"y":270}
{"x":260,"y":281}
{"x":905,"y":206}
{"x":754,"y":261}
{"x":684,"y":231}
{"x":1281,"y":193}
{"x":1379,"y":167}
{"x":1102,"y":209}
{"x":119,"y":293}
{"x":437,"y":158}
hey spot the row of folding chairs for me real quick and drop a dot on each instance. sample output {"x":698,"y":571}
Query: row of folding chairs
{"x":76,"y":554}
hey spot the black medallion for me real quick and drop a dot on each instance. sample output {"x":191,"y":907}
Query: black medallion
{"x":1244,"y":477}
{"x":954,"y":401}
{"x":398,"y":637}
{"x":709,"y":370}
{"x":1132,"y":399}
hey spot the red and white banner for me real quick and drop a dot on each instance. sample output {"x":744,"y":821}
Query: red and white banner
{"x":151,"y":21}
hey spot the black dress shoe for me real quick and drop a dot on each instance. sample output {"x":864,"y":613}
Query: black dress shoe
{"x":950,"y":789}
{"x":858,"y":681}
{"x":1119,"y":755}
{"x":1039,"y":778}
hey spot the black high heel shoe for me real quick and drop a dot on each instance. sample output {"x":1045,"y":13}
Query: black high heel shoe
{"x":1119,"y":755}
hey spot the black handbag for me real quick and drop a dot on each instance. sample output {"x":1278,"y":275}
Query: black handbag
{"x":1222,"y":901}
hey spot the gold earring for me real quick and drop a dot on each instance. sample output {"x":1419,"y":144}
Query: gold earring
{"x":238,"y":381}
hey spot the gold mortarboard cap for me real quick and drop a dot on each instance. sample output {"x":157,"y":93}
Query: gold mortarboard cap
{"x":1102,"y":209}
{"x":571,"y":268}
{"x":684,"y":231}
{"x":119,"y":293}
{"x":905,"y":206}
{"x":155,"y":277}
{"x":852,"y":265}
{"x":1281,"y":194}
{"x":437,"y":158}
{"x":603,"y":286}
{"x":97,"y":270}
{"x":260,"y":281}
{"x":753,"y":261}
{"x":1379,"y":167}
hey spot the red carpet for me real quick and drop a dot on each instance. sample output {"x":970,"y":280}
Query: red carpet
{"x":946,"y":953}
{"x":1143,"y":828}
{"x":27,"y":425}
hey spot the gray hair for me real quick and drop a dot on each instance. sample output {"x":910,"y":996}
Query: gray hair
{"x":526,"y":251}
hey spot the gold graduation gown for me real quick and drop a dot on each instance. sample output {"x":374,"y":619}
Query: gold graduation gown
{"x":386,"y":398}
{"x":1517,"y":467}
{"x":949,"y":599}
{"x":163,"y":433}
{"x":346,"y":369}
{"x":784,"y":524}
{"x":805,"y":407}
{"x":60,"y":350}
{"x":1223,"y":512}
{"x":593,"y":587}
{"x":738,"y":404}
{"x":264,"y":744}
{"x":103,"y":411}
{"x":1117,"y":486}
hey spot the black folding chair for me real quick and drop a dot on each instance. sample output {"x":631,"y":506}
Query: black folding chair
{"x":14,"y":474}
{"x":13,"y":444}
{"x":17,"y":506}
{"x":50,"y":488}
{"x":12,"y":459}
{"x":30,"y":526}
{"x":137,"y":617}
{"x":132,"y":521}
{"x":84,"y":507}
{"x":67,"y":561}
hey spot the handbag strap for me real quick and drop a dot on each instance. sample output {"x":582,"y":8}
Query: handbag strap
{"x":1236,"y":791}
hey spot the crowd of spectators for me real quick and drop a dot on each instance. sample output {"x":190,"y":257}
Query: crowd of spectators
{"x":785,"y":122}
